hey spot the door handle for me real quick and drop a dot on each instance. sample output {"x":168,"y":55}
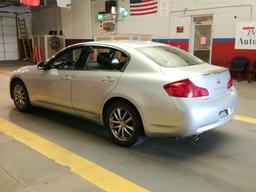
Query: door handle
{"x":66,"y":77}
{"x":108,"y":79}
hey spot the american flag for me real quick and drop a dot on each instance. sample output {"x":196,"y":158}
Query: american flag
{"x":143,"y":7}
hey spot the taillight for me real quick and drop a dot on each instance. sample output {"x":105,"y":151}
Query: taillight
{"x":230,"y":83}
{"x":185,"y":88}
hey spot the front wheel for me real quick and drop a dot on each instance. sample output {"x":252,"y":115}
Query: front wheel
{"x":123,"y":124}
{"x":20,"y":96}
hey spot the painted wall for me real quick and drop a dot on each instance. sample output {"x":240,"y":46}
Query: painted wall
{"x":45,"y":19}
{"x":223,"y":34}
{"x":151,"y":24}
{"x":77,"y":21}
{"x":226,"y":14}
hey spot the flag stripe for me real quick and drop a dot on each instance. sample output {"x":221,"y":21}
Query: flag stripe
{"x":145,"y":9}
{"x":142,"y":5}
{"x":145,"y":13}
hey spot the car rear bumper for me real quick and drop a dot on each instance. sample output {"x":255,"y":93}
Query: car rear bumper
{"x":191,"y":116}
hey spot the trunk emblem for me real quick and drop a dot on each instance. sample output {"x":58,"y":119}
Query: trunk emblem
{"x":218,"y":81}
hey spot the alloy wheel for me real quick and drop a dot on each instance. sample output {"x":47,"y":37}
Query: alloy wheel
{"x":19,"y":96}
{"x":121,"y":124}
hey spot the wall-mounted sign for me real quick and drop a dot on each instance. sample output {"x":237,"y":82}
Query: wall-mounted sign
{"x":180,"y":29}
{"x":64,"y":3}
{"x":32,"y":3}
{"x":246,"y":35}
{"x":203,"y":40}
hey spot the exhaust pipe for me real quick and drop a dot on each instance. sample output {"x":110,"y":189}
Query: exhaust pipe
{"x":195,"y":138}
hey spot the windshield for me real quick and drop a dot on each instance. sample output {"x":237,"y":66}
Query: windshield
{"x":168,"y":56}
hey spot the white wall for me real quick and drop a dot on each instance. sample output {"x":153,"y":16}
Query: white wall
{"x":80,"y":21}
{"x":223,"y":11}
{"x":225,"y":16}
{"x":149,"y":24}
{"x":77,"y":22}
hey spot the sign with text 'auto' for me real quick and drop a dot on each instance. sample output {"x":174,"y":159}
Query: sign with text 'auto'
{"x":246,"y":36}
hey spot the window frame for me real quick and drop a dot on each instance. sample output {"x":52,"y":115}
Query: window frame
{"x":66,"y":50}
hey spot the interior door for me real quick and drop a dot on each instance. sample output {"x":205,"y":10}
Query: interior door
{"x":202,"y":38}
{"x":98,"y":76}
{"x":54,"y":85}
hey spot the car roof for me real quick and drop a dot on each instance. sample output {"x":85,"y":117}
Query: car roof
{"x":123,"y":43}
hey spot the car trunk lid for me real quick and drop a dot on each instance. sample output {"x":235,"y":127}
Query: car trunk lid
{"x":213,"y":78}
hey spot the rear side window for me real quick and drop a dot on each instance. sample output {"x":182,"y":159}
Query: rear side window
{"x":168,"y":56}
{"x":104,"y":58}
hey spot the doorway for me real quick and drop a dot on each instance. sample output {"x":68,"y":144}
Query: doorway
{"x":201,"y":38}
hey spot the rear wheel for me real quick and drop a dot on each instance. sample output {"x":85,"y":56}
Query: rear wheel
{"x":20,"y":96}
{"x":123,"y":124}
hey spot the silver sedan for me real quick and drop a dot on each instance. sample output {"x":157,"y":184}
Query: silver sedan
{"x":134,"y":88}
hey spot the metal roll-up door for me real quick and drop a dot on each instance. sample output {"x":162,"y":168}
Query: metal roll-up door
{"x":8,"y":39}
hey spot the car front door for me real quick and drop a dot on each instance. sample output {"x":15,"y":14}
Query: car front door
{"x":54,"y":84}
{"x":102,"y":68}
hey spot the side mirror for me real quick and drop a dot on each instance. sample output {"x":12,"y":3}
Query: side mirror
{"x":42,"y":65}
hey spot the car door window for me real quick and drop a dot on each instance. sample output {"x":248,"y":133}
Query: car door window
{"x":103,"y":58}
{"x":67,"y":60}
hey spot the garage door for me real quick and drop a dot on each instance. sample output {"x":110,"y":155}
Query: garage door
{"x":8,"y":39}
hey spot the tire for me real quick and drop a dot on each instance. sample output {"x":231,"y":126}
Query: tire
{"x":123,"y":123}
{"x":20,"y":96}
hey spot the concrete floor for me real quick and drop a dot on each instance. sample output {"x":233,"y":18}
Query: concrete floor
{"x":222,"y":160}
{"x":24,"y":170}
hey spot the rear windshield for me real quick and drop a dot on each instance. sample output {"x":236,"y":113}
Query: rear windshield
{"x":168,"y":56}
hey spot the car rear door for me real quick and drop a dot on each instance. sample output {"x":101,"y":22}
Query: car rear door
{"x":98,"y":76}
